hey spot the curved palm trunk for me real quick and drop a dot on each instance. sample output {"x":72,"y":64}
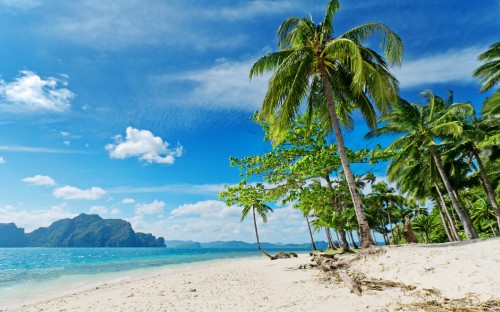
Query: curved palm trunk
{"x":487,"y":187}
{"x":257,"y":235}
{"x":353,"y":243}
{"x":445,"y":225}
{"x":364,"y":229}
{"x":345,"y":244}
{"x":453,"y":229}
{"x":390,"y":223}
{"x":329,"y":238}
{"x":338,"y":239}
{"x":310,"y":234}
{"x":468,"y":227}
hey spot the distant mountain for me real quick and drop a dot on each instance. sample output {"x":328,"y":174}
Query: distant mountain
{"x":12,"y":236}
{"x":81,"y":231}
{"x":240,"y":245}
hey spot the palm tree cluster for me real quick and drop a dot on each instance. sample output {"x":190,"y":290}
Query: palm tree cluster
{"x":444,"y":155}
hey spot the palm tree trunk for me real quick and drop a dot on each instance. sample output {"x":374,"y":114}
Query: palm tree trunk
{"x":487,"y":187}
{"x":352,"y":240}
{"x":257,"y":235}
{"x":373,"y":235}
{"x":468,"y":227}
{"x":445,"y":225}
{"x":465,"y":210}
{"x":453,"y":229}
{"x":329,"y":238}
{"x":345,"y":244}
{"x":338,"y":238}
{"x":390,"y":223}
{"x":310,"y":234}
{"x":356,"y":200}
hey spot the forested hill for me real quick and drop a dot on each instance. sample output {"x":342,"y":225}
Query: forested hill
{"x":81,"y":231}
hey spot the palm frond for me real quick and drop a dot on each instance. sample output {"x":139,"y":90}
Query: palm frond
{"x":391,"y":43}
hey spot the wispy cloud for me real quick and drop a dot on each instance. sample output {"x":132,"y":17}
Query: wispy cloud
{"x":28,"y":149}
{"x":225,"y":85}
{"x":2,"y":160}
{"x":143,"y":145}
{"x":450,"y":66}
{"x":31,"y":93}
{"x":19,"y":4}
{"x":112,"y":25}
{"x":128,"y":201}
{"x":181,"y":188}
{"x":40,"y":180}
{"x":71,"y":192}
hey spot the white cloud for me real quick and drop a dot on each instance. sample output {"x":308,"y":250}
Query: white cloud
{"x":100,"y":210}
{"x":212,"y":220}
{"x":2,"y":161}
{"x":156,"y":207}
{"x":450,"y":66}
{"x":103,"y":211}
{"x":40,"y":180}
{"x":144,"y":145}
{"x":64,"y":133}
{"x":224,"y":85}
{"x":67,"y":143}
{"x":30,"y":93}
{"x":32,"y":219}
{"x":128,"y":201}
{"x":115,"y":212}
{"x":71,"y":192}
{"x":207,"y":208}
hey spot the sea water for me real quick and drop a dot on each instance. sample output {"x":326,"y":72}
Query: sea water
{"x":31,"y":274}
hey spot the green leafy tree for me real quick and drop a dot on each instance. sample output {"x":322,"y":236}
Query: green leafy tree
{"x":334,"y":75}
{"x":251,"y":198}
{"x":489,"y":72}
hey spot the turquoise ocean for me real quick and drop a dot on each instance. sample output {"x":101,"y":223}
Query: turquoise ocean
{"x":32,"y":274}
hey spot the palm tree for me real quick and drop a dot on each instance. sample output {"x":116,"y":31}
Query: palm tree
{"x":310,"y":62}
{"x":386,"y":197}
{"x":262,"y":209}
{"x":423,"y":128}
{"x":489,"y":72}
{"x":423,"y":223}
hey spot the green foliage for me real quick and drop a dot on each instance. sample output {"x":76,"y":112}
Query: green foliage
{"x":489,"y":72}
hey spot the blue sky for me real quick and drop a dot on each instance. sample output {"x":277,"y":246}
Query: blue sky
{"x":131,"y":108}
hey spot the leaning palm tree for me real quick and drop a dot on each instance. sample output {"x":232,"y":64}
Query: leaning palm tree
{"x":334,"y":76}
{"x":262,"y":209}
{"x":423,"y":127}
{"x":489,"y":72}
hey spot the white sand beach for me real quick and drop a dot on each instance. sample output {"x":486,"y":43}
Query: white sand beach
{"x":427,"y":278}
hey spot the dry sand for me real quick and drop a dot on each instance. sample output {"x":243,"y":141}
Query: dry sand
{"x":428,"y":278}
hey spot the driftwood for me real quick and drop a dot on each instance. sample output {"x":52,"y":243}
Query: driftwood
{"x":349,"y":282}
{"x":329,"y":263}
{"x":284,"y":255}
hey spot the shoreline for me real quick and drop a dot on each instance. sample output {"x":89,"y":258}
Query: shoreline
{"x":399,"y":278}
{"x":72,"y":284}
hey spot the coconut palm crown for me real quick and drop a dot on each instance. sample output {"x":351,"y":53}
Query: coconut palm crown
{"x":332,"y":76}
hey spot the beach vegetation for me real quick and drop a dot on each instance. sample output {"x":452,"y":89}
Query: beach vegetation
{"x":331,"y":76}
